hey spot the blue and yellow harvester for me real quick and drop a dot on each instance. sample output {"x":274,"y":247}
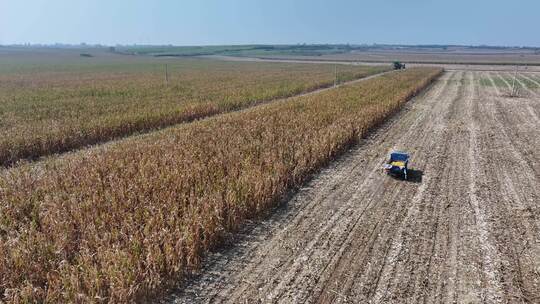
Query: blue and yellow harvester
{"x":397,"y":164}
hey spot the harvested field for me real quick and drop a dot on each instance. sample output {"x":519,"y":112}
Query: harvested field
{"x":123,"y":221}
{"x":55,"y":102}
{"x":462,"y":57}
{"x":465,"y":229}
{"x":458,"y":66}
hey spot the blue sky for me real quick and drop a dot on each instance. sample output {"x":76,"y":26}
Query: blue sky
{"x":206,"y":22}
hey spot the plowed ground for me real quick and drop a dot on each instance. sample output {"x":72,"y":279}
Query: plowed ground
{"x":464,"y":229}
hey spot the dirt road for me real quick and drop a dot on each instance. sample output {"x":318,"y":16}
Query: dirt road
{"x":466,"y":229}
{"x":446,"y":66}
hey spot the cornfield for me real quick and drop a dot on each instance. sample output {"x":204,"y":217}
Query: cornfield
{"x":52,"y":111}
{"x":123,"y":221}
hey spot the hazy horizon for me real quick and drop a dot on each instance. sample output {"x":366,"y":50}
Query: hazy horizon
{"x":98,"y":45}
{"x":241,"y":22}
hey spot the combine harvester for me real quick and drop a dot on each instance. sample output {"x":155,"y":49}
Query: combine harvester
{"x":397,"y":165}
{"x":398,"y":65}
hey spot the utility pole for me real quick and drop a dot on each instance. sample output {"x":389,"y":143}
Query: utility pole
{"x":335,"y":75}
{"x":166,"y":75}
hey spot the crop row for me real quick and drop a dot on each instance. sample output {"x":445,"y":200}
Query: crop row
{"x":50,"y":111}
{"x":120,"y":222}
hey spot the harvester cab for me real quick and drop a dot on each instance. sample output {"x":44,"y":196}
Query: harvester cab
{"x":397,"y":164}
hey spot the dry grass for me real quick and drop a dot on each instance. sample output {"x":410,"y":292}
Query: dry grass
{"x":121,"y":222}
{"x":56,"y":107}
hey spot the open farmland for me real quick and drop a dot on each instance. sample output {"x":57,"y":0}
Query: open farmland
{"x":441,"y":55}
{"x":464,"y":229}
{"x":121,"y":221}
{"x":56,"y":101}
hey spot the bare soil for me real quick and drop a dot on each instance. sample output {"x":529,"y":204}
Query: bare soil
{"x":464,"y":229}
{"x":425,"y":56}
{"x":449,"y":66}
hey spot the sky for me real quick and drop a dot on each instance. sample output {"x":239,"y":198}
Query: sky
{"x":214,"y":22}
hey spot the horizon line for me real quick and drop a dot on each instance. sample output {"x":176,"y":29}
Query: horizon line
{"x":97,"y":45}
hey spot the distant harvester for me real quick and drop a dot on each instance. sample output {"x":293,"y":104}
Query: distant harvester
{"x":398,"y":65}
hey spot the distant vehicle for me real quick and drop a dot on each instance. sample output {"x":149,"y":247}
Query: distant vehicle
{"x":398,"y":65}
{"x":397,"y":164}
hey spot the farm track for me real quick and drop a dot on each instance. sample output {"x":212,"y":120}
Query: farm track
{"x":532,"y":69}
{"x":465,"y":229}
{"x":319,"y":90}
